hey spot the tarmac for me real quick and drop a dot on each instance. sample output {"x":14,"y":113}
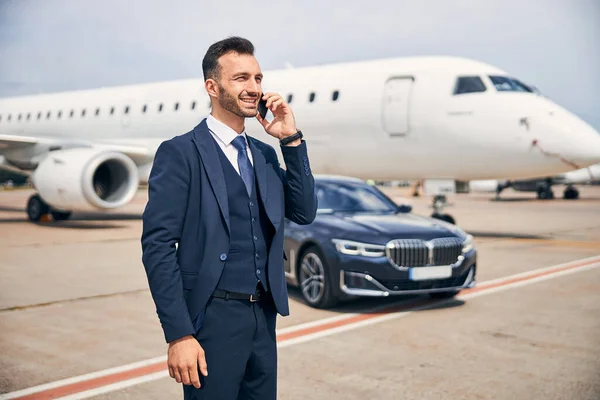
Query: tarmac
{"x":77,"y":320}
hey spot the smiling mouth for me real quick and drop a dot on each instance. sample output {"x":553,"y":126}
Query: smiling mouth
{"x":251,"y":102}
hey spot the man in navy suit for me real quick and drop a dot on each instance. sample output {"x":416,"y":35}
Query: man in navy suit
{"x":212,"y":235}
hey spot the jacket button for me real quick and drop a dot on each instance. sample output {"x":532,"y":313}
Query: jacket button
{"x":223,"y":257}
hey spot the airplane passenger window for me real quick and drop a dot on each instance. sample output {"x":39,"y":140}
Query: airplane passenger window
{"x":71,"y":113}
{"x":312,"y":97}
{"x":160,"y":107}
{"x":83,"y":112}
{"x":39,"y":115}
{"x":28,"y":116}
{"x":19,"y":117}
{"x":59,"y":114}
{"x":469,"y":84}
{"x":176,"y":106}
{"x":9,"y":117}
{"x":144,"y":108}
{"x":506,"y":84}
{"x":48,"y":115}
{"x":193,"y":105}
{"x":97,"y":111}
{"x":290,"y":97}
{"x":126,"y":109}
{"x":336,"y":95}
{"x":112,"y":110}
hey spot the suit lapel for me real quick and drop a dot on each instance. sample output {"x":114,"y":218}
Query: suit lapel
{"x":210,"y":159}
{"x":260,"y":168}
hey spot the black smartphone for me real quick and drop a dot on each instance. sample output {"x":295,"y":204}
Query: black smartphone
{"x":262,"y":106}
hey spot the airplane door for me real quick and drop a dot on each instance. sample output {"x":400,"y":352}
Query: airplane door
{"x":396,"y":99}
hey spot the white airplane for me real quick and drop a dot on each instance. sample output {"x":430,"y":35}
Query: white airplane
{"x":542,"y":186}
{"x":437,"y":119}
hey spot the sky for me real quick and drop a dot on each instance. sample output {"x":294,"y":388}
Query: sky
{"x":56,"y":45}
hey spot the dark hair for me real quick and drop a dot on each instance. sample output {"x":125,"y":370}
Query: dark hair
{"x":210,"y":64}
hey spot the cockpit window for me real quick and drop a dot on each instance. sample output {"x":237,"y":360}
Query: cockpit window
{"x":469,"y":84}
{"x":506,"y":84}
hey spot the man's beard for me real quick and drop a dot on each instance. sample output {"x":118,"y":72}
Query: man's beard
{"x":230,"y":103}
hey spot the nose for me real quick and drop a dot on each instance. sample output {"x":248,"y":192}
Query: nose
{"x":253,"y":87}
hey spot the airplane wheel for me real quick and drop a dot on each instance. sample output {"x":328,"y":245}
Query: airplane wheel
{"x":544,"y":193}
{"x":444,"y":217}
{"x":60,"y":216}
{"x":36,"y":208}
{"x":571,"y":194}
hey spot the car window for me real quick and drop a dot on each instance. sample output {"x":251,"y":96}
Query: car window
{"x":351,"y":197}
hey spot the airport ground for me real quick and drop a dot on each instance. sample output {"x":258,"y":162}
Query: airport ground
{"x":74,"y":305}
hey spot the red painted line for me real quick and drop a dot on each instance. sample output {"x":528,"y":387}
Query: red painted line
{"x":95,"y":383}
{"x":347,"y":321}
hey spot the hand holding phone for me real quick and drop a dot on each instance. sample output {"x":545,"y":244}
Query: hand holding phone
{"x":283,"y":123}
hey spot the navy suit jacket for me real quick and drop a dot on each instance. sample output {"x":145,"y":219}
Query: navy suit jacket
{"x":188,"y":206}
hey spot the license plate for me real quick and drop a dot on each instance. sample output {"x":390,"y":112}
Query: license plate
{"x":424,"y":273}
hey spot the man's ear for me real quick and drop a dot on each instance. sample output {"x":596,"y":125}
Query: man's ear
{"x":212,"y":88}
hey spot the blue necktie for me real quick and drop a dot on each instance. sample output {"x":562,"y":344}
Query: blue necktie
{"x":246,"y":170}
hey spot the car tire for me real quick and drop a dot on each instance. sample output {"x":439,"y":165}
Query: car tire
{"x":444,"y":295}
{"x":313,"y":265}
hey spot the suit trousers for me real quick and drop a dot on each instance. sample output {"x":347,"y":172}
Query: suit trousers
{"x":239,"y":342}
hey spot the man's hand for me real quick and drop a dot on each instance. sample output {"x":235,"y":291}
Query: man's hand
{"x":283,"y":123}
{"x":184,"y":357}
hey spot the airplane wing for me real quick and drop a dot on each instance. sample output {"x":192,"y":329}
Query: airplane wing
{"x":140,"y":153}
{"x":14,"y":142}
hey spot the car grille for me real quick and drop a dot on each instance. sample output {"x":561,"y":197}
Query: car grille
{"x":409,"y":253}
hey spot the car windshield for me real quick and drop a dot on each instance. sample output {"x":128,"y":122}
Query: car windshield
{"x":506,"y":84}
{"x":352,"y":197}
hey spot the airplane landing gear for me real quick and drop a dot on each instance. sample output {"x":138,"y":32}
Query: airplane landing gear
{"x":545,"y":193}
{"x":37,"y":209}
{"x":60,"y":215}
{"x":571,"y":193}
{"x":439,"y":203}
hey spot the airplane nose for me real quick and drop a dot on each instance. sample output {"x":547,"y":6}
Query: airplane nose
{"x":587,"y":146}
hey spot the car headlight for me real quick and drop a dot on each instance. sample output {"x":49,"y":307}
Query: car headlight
{"x":468,"y":244}
{"x":356,"y":248}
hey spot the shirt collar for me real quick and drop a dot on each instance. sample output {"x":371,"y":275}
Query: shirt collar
{"x":222,"y":131}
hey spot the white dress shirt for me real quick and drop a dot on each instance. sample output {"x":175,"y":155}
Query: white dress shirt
{"x":224,"y":135}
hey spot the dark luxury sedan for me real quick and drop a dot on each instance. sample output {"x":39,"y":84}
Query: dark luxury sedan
{"x":363,"y":244}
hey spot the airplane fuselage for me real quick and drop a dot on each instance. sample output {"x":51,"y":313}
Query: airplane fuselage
{"x":392,"y":119}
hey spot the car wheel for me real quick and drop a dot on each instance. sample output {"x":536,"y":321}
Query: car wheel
{"x":444,"y":295}
{"x":313,"y":275}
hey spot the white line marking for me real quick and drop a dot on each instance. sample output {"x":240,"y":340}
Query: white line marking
{"x":81,"y":378}
{"x":116,"y":386}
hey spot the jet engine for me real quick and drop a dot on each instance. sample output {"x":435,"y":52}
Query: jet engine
{"x":84,"y":179}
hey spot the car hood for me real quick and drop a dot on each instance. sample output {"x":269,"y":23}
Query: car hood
{"x":396,"y":226}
